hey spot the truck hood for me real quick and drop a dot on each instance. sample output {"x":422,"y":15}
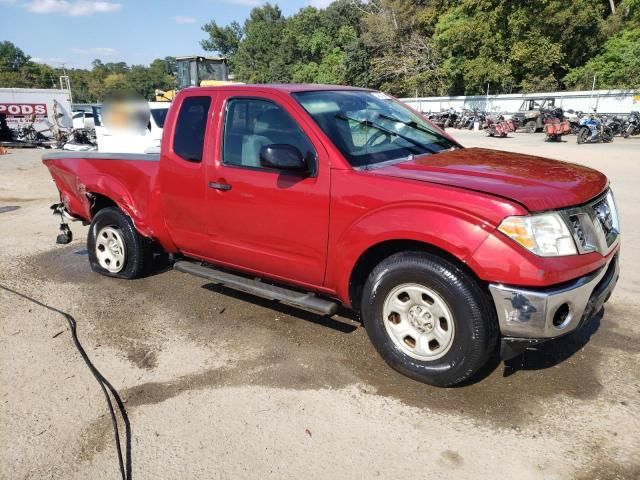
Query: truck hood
{"x":535,"y":182}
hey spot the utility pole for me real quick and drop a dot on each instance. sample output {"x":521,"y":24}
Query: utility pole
{"x":65,"y":83}
{"x":593,"y":87}
{"x":487,"y":100}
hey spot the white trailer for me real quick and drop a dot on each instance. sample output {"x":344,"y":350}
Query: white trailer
{"x":22,"y":105}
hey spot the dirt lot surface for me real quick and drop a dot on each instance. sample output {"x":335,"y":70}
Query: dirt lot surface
{"x":219,"y":384}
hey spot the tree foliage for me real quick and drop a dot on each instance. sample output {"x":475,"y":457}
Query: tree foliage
{"x":617,"y":62}
{"x":18,"y":70}
{"x":435,"y":47}
{"x":405,"y":47}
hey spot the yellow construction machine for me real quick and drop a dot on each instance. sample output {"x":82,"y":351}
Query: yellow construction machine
{"x":196,"y":71}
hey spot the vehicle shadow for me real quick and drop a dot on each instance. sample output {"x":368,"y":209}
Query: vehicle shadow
{"x":323,"y":320}
{"x":554,"y":352}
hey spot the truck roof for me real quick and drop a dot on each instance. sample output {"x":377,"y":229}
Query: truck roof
{"x":280,"y":87}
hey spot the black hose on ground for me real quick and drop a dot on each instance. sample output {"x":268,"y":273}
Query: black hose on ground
{"x":124,"y":461}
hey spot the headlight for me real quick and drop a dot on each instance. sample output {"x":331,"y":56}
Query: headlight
{"x":615,"y":220}
{"x":545,"y":235}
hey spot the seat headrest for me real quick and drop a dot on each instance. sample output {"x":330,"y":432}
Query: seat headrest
{"x":270,"y":120}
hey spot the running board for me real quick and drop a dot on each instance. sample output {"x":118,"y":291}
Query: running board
{"x":308,"y":301}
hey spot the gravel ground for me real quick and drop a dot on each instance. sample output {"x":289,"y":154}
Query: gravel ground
{"x":218,"y":384}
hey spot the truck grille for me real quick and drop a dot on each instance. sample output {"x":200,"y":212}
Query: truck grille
{"x":594,"y":226}
{"x":605,"y":216}
{"x":578,"y":232}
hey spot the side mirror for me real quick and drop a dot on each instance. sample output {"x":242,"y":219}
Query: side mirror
{"x":283,"y":157}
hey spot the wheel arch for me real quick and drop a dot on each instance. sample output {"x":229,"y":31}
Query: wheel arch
{"x":375,"y":254}
{"x":114,"y":194}
{"x":98,"y":201}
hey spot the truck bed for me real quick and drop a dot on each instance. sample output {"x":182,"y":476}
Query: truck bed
{"x":128,"y":179}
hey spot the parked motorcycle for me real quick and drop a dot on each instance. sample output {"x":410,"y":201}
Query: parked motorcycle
{"x":448,"y":117}
{"x":594,"y":130}
{"x":632,"y":126}
{"x":574,"y":118}
{"x":499,"y":127}
{"x":614,"y":123}
{"x":452,"y":116}
{"x":464,"y":120}
{"x":555,"y":125}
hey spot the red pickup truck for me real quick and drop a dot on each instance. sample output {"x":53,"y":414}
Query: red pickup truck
{"x":317,"y":196}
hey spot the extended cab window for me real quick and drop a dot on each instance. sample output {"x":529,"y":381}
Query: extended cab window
{"x":251,"y":124}
{"x":188,"y":141}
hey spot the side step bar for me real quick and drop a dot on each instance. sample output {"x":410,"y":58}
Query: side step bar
{"x":308,"y":301}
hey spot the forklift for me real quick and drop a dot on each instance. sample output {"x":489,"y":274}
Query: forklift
{"x":196,"y":71}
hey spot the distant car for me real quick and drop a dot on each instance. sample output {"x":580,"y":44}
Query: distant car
{"x":83,"y":119}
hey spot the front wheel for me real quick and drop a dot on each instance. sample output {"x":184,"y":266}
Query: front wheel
{"x":115,"y":247}
{"x":428,"y":319}
{"x":531,"y":126}
{"x":583,"y":135}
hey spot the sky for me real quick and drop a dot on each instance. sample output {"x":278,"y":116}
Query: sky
{"x":75,"y":32}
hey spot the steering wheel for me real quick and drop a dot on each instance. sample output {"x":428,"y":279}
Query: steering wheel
{"x":373,"y":140}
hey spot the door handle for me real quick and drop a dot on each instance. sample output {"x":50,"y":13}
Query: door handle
{"x":219,"y":186}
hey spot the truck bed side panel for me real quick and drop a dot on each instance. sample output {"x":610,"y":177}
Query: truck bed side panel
{"x":128,"y":180}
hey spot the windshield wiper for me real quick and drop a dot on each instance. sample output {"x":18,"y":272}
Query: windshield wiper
{"x":415,"y":125}
{"x":369,"y":123}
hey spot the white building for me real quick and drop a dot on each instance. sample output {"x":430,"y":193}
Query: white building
{"x":619,"y":102}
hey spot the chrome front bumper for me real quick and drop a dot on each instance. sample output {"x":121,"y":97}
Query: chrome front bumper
{"x":552,"y":312}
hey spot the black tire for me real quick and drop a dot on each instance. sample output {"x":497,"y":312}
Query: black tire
{"x":583,"y":135}
{"x":531,"y":126}
{"x":138,"y":250}
{"x":474,"y":318}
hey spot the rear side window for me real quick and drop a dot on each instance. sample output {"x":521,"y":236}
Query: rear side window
{"x":188,"y":140}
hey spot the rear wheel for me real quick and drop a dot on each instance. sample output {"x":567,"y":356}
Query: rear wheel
{"x":115,"y":247}
{"x":428,"y":319}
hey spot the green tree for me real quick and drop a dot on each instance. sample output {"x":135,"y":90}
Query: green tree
{"x":310,"y":46}
{"x":258,"y":59}
{"x":11,"y":57}
{"x":115,"y":83}
{"x":401,"y":59}
{"x":618,"y":66}
{"x":19,"y":71}
{"x":223,"y":40}
{"x":516,"y":45}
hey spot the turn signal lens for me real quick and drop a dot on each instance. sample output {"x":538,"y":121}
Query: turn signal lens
{"x":545,"y":235}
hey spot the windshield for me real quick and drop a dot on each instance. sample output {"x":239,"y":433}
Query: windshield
{"x":371,"y":127}
{"x":211,"y":71}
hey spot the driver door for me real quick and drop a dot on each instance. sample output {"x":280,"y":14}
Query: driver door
{"x":264,"y":220}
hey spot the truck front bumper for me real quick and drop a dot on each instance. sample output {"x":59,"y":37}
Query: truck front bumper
{"x":529,"y":316}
